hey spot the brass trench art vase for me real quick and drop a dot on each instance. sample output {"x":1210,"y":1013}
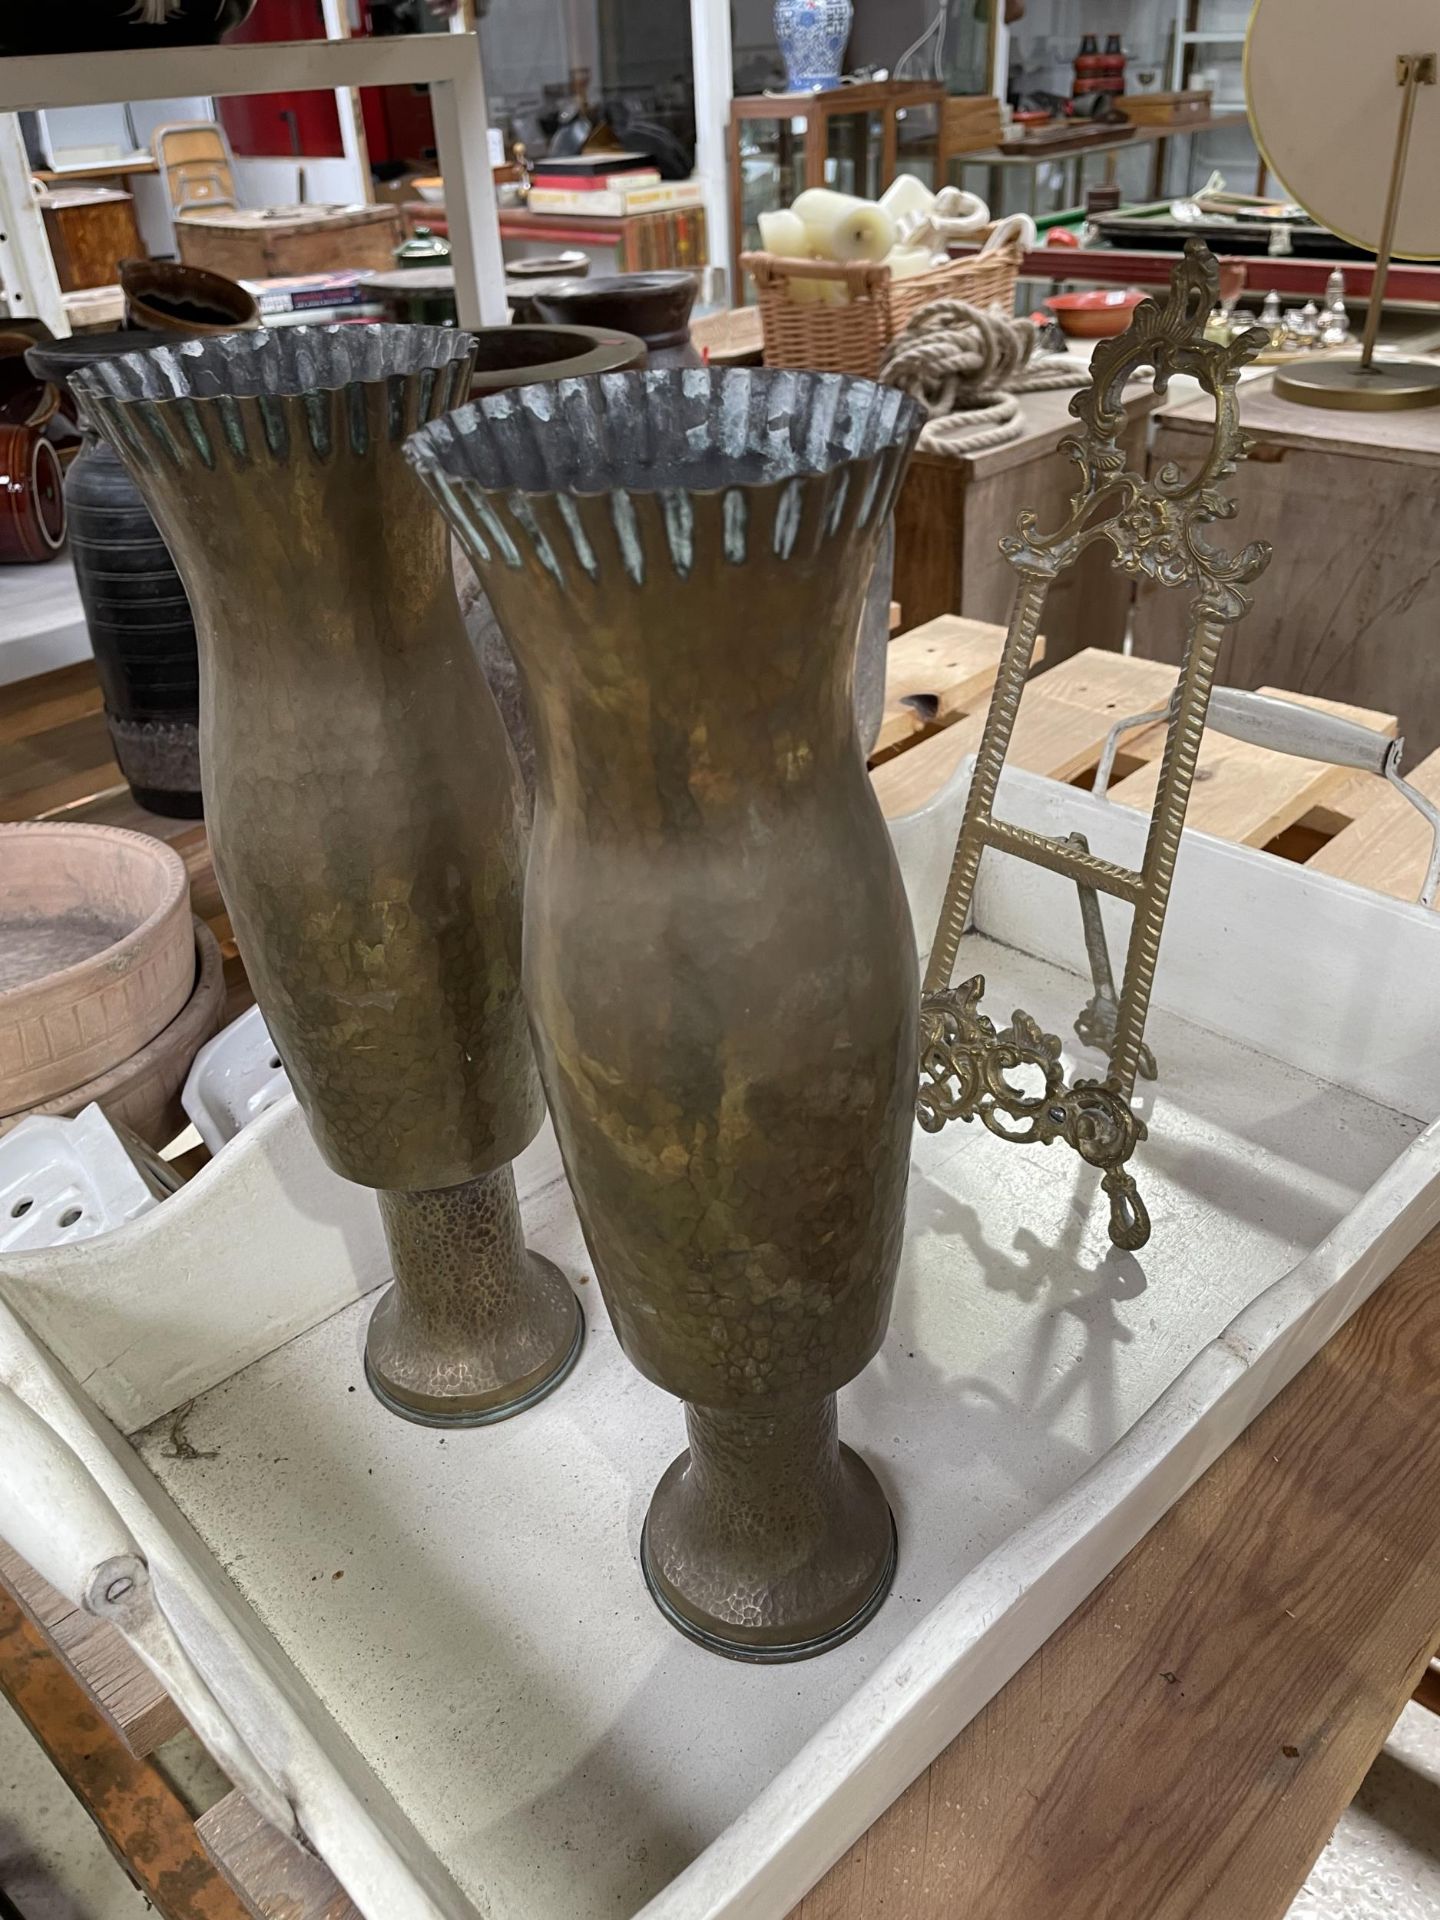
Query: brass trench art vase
{"x":719,"y":962}
{"x":363,"y":810}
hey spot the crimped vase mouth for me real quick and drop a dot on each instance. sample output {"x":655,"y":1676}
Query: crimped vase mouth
{"x":680,"y":429}
{"x":274,"y":362}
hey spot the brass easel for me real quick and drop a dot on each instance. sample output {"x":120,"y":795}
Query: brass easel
{"x":1155,"y":528}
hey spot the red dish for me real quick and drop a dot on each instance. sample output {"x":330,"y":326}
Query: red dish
{"x":1096,"y":314}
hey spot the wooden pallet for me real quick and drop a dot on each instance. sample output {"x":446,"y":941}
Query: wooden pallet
{"x":132,"y":1701}
{"x":1353,"y":825}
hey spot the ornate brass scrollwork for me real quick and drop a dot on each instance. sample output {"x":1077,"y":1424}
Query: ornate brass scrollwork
{"x":1156,"y":528}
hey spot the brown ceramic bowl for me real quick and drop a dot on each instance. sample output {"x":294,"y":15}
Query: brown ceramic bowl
{"x":570,"y":265}
{"x":655,"y":306}
{"x":1098,"y":314}
{"x":182,"y":299}
{"x":96,"y":953}
{"x":143,"y":1092}
{"x":520,"y":356}
{"x":26,"y":400}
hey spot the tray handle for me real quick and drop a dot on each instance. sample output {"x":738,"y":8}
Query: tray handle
{"x":55,"y":1517}
{"x":1285,"y":726}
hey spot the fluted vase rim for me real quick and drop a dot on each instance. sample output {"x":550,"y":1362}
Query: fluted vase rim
{"x":529,"y":422}
{"x":334,"y":358}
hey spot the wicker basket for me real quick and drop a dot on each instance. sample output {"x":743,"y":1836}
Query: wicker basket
{"x":852,"y":338}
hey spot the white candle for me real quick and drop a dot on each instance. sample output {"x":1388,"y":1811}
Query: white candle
{"x":784,"y":233}
{"x":840,"y":227}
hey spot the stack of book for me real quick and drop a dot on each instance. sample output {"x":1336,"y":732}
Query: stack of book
{"x":607,"y":186}
{"x":315,"y":299}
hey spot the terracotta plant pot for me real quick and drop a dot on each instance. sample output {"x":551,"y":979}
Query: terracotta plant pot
{"x":143,"y":1092}
{"x":96,"y":955}
{"x":656,"y":306}
{"x":719,"y":963}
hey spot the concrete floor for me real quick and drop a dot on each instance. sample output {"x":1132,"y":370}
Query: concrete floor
{"x":1383,"y":1862}
{"x":53,"y":1863}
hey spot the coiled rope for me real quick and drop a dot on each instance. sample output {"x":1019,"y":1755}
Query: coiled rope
{"x":965,"y":365}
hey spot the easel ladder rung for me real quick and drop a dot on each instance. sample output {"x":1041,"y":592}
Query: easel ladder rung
{"x":1062,"y":856}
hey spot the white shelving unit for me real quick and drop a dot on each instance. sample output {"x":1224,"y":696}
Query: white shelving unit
{"x":1185,"y":37}
{"x":448,"y":62}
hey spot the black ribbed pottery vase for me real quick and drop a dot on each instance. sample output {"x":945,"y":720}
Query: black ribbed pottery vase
{"x":364,"y":812}
{"x":136,"y":610}
{"x":719,"y":963}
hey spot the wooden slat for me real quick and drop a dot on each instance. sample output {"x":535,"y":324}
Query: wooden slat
{"x":1064,"y":717}
{"x":1387,"y":847}
{"x":1249,"y":794}
{"x":274,"y":1878}
{"x":118,"y":1684}
{"x":934,"y":674}
{"x":1427,"y":1689}
{"x":141,"y":1818}
{"x":1182,"y":1748}
{"x":56,"y":767}
{"x":48,"y":700}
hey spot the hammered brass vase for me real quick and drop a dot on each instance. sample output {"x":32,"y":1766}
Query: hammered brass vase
{"x":363,"y":809}
{"x":719,"y":963}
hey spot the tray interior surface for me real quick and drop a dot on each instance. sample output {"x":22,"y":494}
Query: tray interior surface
{"x":469,"y":1605}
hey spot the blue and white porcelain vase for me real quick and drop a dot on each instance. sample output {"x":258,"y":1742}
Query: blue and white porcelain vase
{"x":812,"y":36}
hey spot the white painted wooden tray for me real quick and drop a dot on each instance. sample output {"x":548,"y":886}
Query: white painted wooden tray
{"x":440,"y":1646}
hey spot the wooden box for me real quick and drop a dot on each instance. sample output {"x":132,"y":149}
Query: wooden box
{"x":262,"y":243}
{"x":1351,"y":504}
{"x":90,"y":230}
{"x":1165,"y":109}
{"x":971,"y":123}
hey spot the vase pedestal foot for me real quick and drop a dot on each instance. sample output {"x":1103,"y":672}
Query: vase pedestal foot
{"x":476,"y":1327}
{"x":767,"y":1540}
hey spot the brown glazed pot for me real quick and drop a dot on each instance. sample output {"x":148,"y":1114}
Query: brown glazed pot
{"x":364,"y":813}
{"x":32,"y":496}
{"x":656,"y":306}
{"x":719,"y":963}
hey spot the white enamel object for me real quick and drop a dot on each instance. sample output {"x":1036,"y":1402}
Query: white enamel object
{"x":438,"y":1647}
